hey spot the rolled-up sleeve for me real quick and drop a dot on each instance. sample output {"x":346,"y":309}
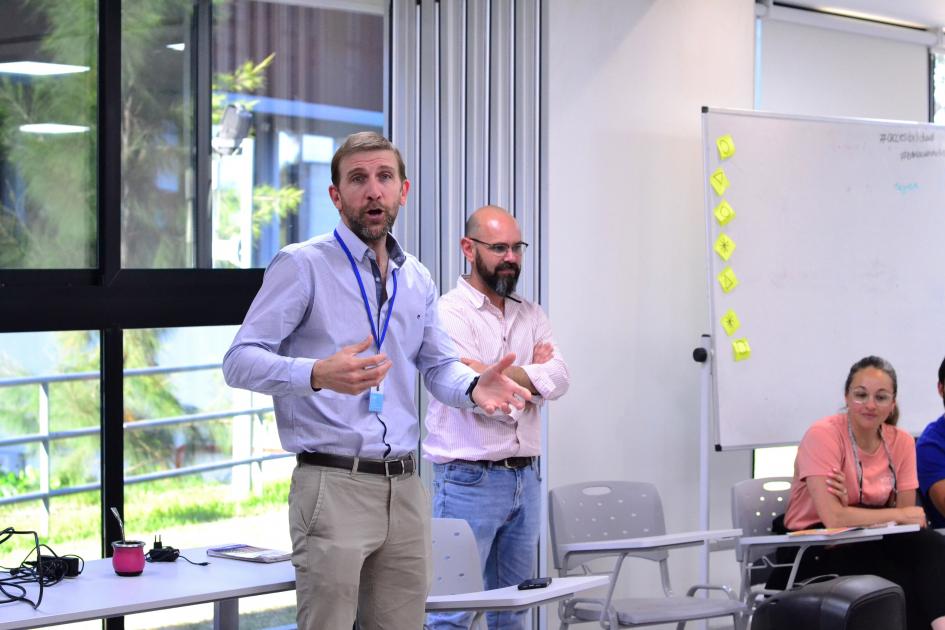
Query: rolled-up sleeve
{"x":444,"y":374}
{"x":551,"y":378}
{"x":253,"y":361}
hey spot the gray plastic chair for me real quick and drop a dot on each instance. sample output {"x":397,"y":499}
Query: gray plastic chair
{"x":755,"y":504}
{"x":606,"y":513}
{"x":456,"y":566}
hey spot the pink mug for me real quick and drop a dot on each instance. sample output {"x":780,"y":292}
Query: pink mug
{"x":128,"y":557}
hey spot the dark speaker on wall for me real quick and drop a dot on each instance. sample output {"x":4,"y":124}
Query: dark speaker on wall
{"x":851,"y":602}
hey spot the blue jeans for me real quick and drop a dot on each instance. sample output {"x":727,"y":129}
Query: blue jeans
{"x":502,"y":506}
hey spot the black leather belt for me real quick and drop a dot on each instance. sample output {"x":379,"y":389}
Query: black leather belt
{"x":386,"y":467}
{"x":515,"y":463}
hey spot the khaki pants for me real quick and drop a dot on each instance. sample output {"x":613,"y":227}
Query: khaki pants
{"x":360,"y":544}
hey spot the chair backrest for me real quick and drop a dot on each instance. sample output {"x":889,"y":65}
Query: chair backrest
{"x":456,"y":567}
{"x":604,"y":510}
{"x":756,"y":503}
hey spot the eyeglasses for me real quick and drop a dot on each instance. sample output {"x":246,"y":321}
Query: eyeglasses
{"x":501,"y":249}
{"x":882,"y":399}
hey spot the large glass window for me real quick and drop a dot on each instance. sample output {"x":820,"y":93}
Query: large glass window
{"x":203,"y":462}
{"x":48,"y":149}
{"x":304,"y":77}
{"x":157,"y":149}
{"x":163,"y":164}
{"x":938,"y":88}
{"x":288,"y":83}
{"x":49,"y":442}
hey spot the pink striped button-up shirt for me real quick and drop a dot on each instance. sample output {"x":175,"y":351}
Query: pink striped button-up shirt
{"x":483,"y":332}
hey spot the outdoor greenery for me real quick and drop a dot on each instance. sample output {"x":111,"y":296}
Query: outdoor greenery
{"x":55,"y":226}
{"x":42,"y":225}
{"x":158,"y":506}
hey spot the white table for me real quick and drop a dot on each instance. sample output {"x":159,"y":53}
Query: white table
{"x":510,"y":598}
{"x":647,"y":543}
{"x":859,"y":535}
{"x":100,"y":593}
{"x":757,"y":546}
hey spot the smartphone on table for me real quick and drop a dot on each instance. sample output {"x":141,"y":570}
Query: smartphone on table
{"x":531,"y":583}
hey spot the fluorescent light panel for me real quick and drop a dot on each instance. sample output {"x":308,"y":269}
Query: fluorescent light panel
{"x":180,"y":47}
{"x":871,"y":17}
{"x":39,"y":68}
{"x":52,"y":128}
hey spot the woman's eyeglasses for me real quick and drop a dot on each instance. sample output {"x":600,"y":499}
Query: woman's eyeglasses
{"x":882,"y":399}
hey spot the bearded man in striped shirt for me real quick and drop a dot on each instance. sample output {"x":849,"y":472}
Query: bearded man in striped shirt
{"x":486,"y":466}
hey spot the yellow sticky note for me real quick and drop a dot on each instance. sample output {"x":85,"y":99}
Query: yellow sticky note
{"x":730,"y":322}
{"x":719,"y":181}
{"x":728,"y":279}
{"x":724,"y":246}
{"x":741,"y":349}
{"x":724,"y":213}
{"x":726,"y":146}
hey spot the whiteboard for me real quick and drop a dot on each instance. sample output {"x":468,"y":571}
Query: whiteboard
{"x":839,"y":253}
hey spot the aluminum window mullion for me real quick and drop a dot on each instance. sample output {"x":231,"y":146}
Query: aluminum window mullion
{"x":501,"y":60}
{"x":425,"y":193}
{"x":525,"y":161}
{"x":477,"y":105}
{"x":109,"y":141}
{"x":404,"y":110}
{"x":452,"y":94}
{"x":201,"y":45}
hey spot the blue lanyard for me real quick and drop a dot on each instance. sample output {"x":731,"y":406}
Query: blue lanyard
{"x":367,"y":305}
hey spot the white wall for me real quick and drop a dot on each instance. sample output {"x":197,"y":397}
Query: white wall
{"x":628,"y":300}
{"x":826,"y":72}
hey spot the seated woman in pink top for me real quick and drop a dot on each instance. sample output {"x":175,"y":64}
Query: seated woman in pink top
{"x":857,"y":468}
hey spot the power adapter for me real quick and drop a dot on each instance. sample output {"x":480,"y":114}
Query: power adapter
{"x":56,"y":567}
{"x":71,"y":563}
{"x":160,"y":553}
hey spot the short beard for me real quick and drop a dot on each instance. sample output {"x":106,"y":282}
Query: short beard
{"x":502,"y":285}
{"x":371,"y":235}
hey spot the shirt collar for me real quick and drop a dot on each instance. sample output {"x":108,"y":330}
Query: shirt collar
{"x":359,"y":249}
{"x":477,"y":298}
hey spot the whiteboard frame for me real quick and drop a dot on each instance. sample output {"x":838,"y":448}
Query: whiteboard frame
{"x":718,"y":342}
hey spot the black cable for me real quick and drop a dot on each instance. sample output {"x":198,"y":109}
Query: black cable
{"x":12,"y":588}
{"x":169,"y":554}
{"x":45,"y":570}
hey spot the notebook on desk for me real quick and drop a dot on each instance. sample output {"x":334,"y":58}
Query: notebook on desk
{"x":248,"y":553}
{"x":823,"y":531}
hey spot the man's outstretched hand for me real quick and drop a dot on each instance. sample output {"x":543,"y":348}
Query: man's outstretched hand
{"x":497,"y":391}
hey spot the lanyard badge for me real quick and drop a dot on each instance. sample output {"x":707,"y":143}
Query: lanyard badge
{"x":376,"y":397}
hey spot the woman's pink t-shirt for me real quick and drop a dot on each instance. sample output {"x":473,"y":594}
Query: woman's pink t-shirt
{"x":826,"y":446}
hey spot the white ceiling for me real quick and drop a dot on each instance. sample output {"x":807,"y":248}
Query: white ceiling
{"x":926,"y":13}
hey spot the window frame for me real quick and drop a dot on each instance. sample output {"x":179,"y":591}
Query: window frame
{"x":109,"y":298}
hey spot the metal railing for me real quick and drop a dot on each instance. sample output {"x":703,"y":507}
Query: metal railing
{"x":242,"y":438}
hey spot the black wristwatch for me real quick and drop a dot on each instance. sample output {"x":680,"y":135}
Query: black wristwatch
{"x":472,"y":386}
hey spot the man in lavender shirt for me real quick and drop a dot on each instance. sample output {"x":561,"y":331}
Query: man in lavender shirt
{"x":486,"y":464}
{"x":336,"y":335}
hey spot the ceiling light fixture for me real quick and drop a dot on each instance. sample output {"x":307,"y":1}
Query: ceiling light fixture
{"x":39,"y":68}
{"x":52,"y":128}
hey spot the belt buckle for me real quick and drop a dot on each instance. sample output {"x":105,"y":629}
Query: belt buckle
{"x":507,"y":463}
{"x":388,"y":462}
